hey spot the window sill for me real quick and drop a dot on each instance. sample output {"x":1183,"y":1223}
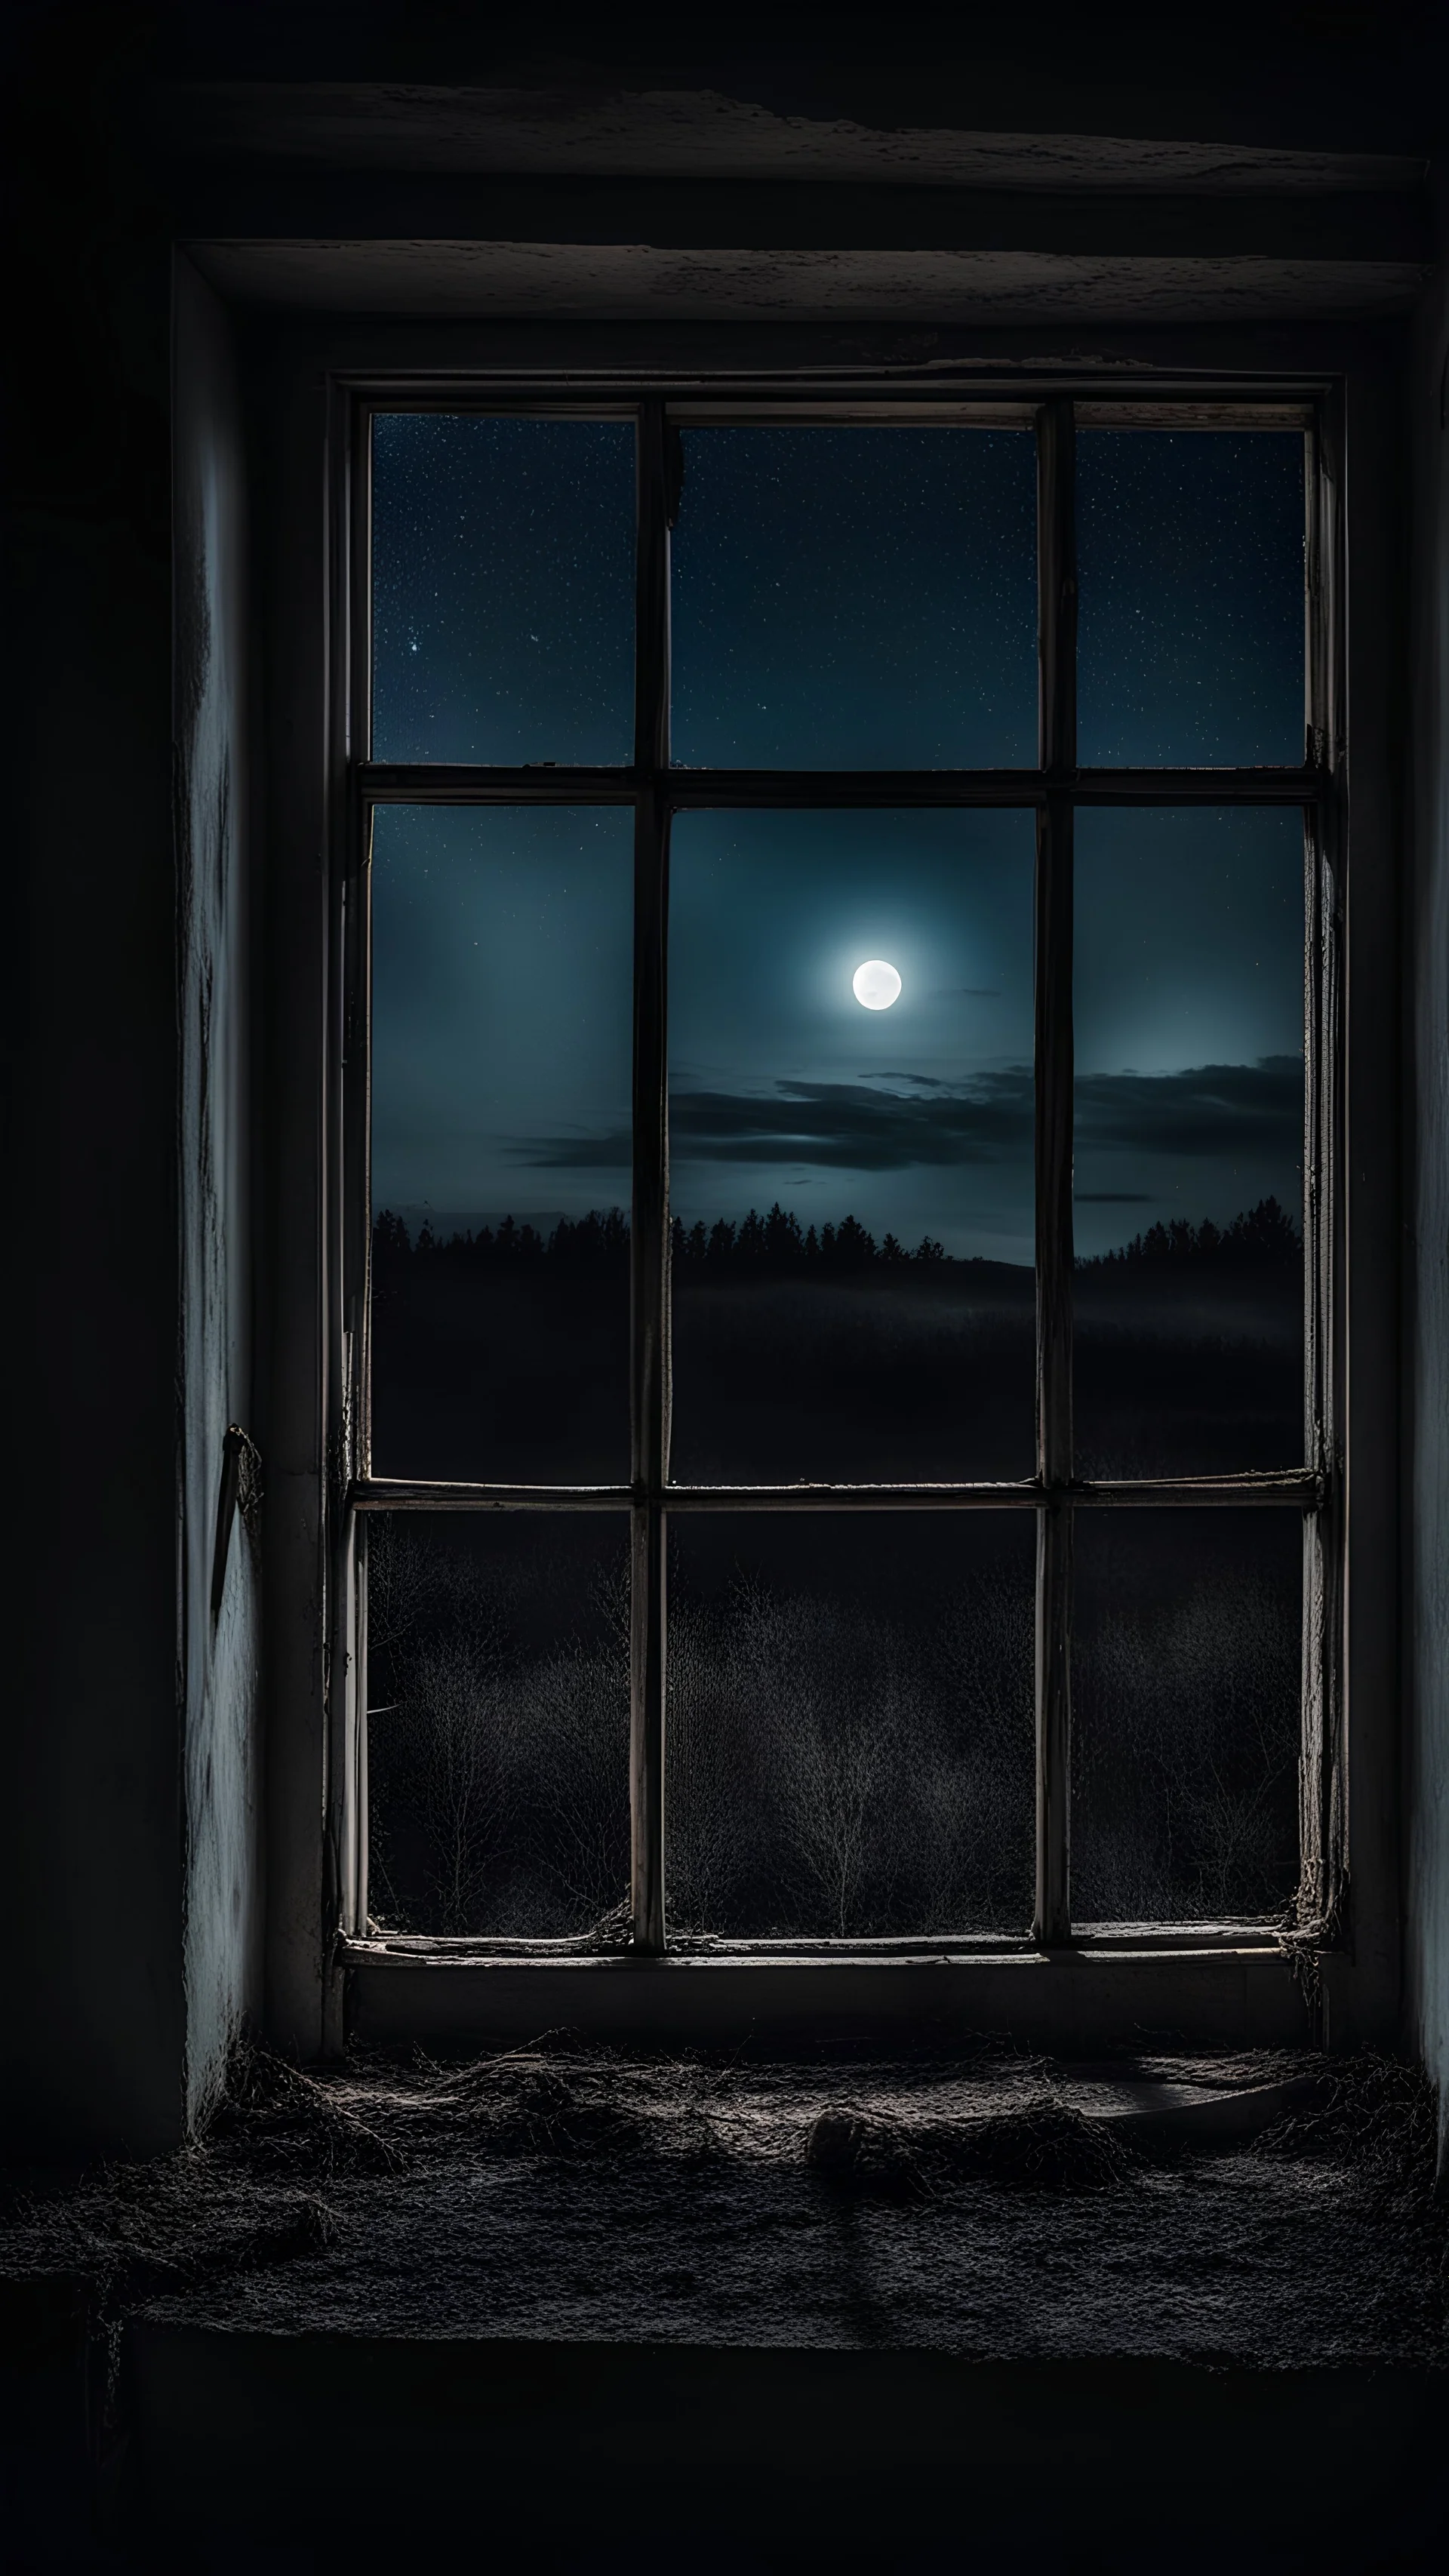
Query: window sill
{"x":1211,"y":1985}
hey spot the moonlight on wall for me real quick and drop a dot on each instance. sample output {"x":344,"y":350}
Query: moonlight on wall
{"x":876,"y":985}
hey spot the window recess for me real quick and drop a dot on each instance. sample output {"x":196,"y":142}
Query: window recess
{"x":839,"y":1470}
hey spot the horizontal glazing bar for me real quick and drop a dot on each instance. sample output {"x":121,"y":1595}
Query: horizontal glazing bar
{"x":1297,"y":1488}
{"x":421,"y":1494}
{"x":460,"y":403}
{"x":829,"y":394}
{"x":425,"y":783}
{"x":1300,"y":1487}
{"x":1193,"y":411}
{"x":1189,"y":410}
{"x":945,"y":412}
{"x":382,"y":782}
{"x":1198,"y":786}
{"x":717,"y":789}
{"x":849,"y":1498}
{"x":424,"y":1950}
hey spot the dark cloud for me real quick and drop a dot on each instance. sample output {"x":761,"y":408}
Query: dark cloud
{"x":1228,"y":1109}
{"x":850,"y":1126}
{"x":612,"y":1152}
{"x":854,"y":1126}
{"x":843,"y":1126}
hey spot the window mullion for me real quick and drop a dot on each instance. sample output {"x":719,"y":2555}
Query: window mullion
{"x":347,"y":1236}
{"x":1321,"y":1769}
{"x":1056,"y":558}
{"x":649,"y":1234}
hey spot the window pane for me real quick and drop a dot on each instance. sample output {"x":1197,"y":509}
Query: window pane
{"x":1191,"y":582}
{"x":1186,"y":1663}
{"x":851,"y":1185}
{"x":850,"y":1732}
{"x":498,"y":1728}
{"x":501,"y":1073}
{"x":502,"y":589}
{"x":855,"y":599}
{"x":1189,"y":1141}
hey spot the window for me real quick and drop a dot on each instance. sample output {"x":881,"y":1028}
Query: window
{"x":837,"y":1120}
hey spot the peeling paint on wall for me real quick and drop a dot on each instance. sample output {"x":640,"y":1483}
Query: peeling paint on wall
{"x":218,"y":1646}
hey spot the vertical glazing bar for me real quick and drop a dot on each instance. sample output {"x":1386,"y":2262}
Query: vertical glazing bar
{"x":1057,"y":577}
{"x":649,"y":1240}
{"x":1321,"y":1814}
{"x":1319,"y":1771}
{"x":359,"y":1028}
{"x":1314,"y":1765}
{"x":353,"y":1271}
{"x":343,"y":1260}
{"x":357,"y":1141}
{"x":360,"y":1844}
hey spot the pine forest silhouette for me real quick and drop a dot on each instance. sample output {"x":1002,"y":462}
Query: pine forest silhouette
{"x":501,"y":1353}
{"x":776,"y":1243}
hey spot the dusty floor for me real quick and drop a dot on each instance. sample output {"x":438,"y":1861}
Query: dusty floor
{"x":997,"y":2206}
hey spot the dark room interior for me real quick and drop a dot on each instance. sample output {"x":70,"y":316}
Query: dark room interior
{"x":726,"y":1792}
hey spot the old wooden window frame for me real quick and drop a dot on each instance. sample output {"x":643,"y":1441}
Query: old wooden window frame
{"x":1053,"y":790}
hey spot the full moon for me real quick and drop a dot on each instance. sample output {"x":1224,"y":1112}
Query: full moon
{"x":876,"y":985}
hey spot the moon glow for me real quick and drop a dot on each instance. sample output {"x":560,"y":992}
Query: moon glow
{"x":876,"y":985}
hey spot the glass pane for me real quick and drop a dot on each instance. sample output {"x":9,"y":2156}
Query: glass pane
{"x":501,"y":1077}
{"x":1186,"y":1665}
{"x":1189,"y":1141}
{"x":502,"y":589}
{"x":1191,"y":596}
{"x":850,"y":1730}
{"x":851,"y":1178}
{"x":855,"y":599}
{"x":498,"y":1722}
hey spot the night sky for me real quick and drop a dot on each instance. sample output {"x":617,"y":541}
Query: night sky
{"x":840,"y":597}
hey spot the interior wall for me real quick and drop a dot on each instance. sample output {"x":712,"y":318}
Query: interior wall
{"x":128,"y":1770}
{"x":91,"y":2034}
{"x":218,"y":1586}
{"x":128,"y":1787}
{"x":1427,"y":1391}
{"x":291,"y":565}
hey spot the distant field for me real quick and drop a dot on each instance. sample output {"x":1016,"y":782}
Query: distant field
{"x":927,"y":1376}
{"x":1188,"y":1376}
{"x":923,"y":1373}
{"x":510,"y":1378}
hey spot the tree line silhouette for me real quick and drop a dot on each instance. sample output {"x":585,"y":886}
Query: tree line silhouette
{"x":777,"y":1246}
{"x":1264,"y":1235}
